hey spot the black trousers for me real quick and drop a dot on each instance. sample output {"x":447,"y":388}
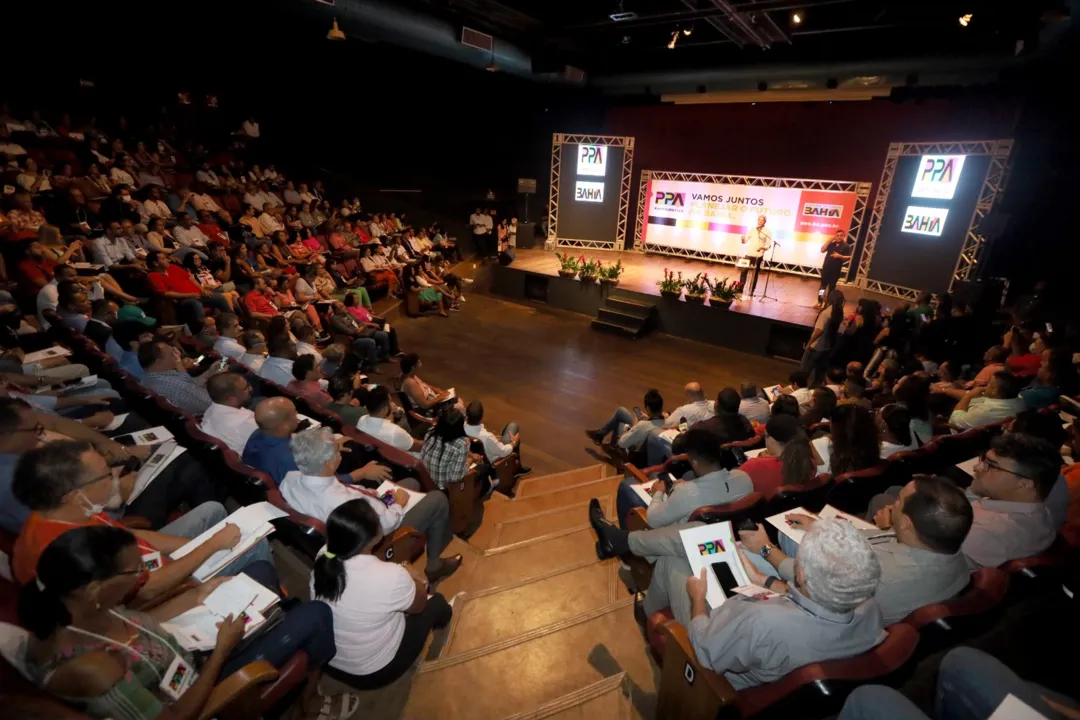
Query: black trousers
{"x":184,"y":481}
{"x":481,"y":243}
{"x":756,"y":264}
{"x":437,"y":614}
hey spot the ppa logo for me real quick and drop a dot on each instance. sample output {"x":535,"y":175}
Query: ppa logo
{"x":938,"y":176}
{"x":711,"y":548}
{"x":592,"y":160}
{"x":671,"y":199}
{"x":822,"y":210}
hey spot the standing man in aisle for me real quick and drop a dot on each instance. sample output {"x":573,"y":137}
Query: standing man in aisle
{"x":481,"y":228}
{"x":760,"y":240}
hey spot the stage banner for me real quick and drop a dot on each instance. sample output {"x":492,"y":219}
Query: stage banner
{"x":712,"y":217}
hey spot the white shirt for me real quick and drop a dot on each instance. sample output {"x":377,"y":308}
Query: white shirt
{"x":156,"y":208}
{"x":48,"y":298}
{"x":318,"y":496}
{"x":190,"y":236}
{"x":387,"y":431}
{"x":480,"y":223}
{"x":272,"y":199}
{"x":985,"y":411}
{"x":494,"y":448}
{"x":255,"y":362}
{"x":254,"y":200}
{"x":693,"y":412}
{"x":758,"y":241}
{"x":277,"y":370}
{"x":204,"y":202}
{"x":251,"y":129}
{"x":270,"y":223}
{"x":109,"y":252}
{"x":27,"y":182}
{"x":232,"y":426}
{"x":369,"y":617}
{"x":889,"y":449}
{"x":119,"y":176}
{"x":303,"y":348}
{"x":229,"y":347}
{"x":208,"y":177}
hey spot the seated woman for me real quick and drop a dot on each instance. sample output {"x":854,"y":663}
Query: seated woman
{"x":428,"y":295}
{"x":382,"y":612}
{"x":788,"y":458}
{"x":379,"y":275}
{"x":425,"y":399}
{"x":279,"y":249}
{"x":87,"y":648}
{"x":443,"y":278}
{"x":292,"y":219}
{"x":854,"y":443}
{"x":307,"y":219}
{"x":307,"y":375}
{"x":284,"y":297}
{"x":894,"y":426}
{"x":193,"y":262}
{"x":301,"y":253}
{"x":159,"y":238}
{"x":447,"y":453}
{"x":822,"y":404}
{"x":363,"y":316}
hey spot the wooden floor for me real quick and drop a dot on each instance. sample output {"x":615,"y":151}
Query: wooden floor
{"x":794,"y":295}
{"x":547,"y":370}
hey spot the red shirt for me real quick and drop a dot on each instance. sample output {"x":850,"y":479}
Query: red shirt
{"x":365,"y":236}
{"x":256,"y":302}
{"x":175,"y":279}
{"x":35,"y":273}
{"x":215,"y":233}
{"x":1026,"y":365}
{"x":766,"y":474}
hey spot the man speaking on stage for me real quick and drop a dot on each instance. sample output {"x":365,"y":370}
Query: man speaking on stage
{"x":760,"y":240}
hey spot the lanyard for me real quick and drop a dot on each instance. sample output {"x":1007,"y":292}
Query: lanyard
{"x":125,"y":646}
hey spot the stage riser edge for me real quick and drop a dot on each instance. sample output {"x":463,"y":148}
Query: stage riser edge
{"x":715,"y":326}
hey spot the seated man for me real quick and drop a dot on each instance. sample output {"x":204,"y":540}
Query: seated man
{"x":227,"y":418}
{"x":227,"y":343}
{"x":495,"y":448}
{"x":68,"y":484}
{"x":990,"y":404}
{"x":727,"y":424}
{"x":1011,"y":520}
{"x":315,"y":489}
{"x":379,"y":421}
{"x":370,"y":344}
{"x":710,"y":484}
{"x":172,"y":282}
{"x":112,"y":248}
{"x":751,"y":405}
{"x":306,"y":379}
{"x":258,"y":301}
{"x":267,"y":450}
{"x":167,"y":376}
{"x":278,"y":368}
{"x":798,"y":382}
{"x":130,"y":335}
{"x":254,"y":343}
{"x":921,"y":562}
{"x":697,"y":407}
{"x":629,"y":432}
{"x":894,"y":427}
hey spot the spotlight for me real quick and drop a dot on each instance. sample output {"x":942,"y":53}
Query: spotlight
{"x":674,"y":39}
{"x":335,"y":32}
{"x":687,"y":31}
{"x":965,"y":19}
{"x":797,"y":17}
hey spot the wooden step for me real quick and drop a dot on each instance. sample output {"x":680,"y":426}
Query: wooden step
{"x":544,"y":522}
{"x":522,"y":507}
{"x":607,"y":699}
{"x":534,"y":558}
{"x":521,"y":674}
{"x":532,"y":487}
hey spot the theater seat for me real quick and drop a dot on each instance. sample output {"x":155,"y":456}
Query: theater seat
{"x":1044,"y":564}
{"x":689,"y":691}
{"x":811,"y":496}
{"x":851,"y":492}
{"x":984,"y":592}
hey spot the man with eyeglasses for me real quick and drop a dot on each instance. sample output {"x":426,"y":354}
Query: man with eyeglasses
{"x":1011,"y":520}
{"x":19,"y":433}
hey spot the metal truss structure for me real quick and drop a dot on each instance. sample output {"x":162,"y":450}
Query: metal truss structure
{"x":557,"y":141}
{"x":968,"y":259}
{"x":861,"y":190}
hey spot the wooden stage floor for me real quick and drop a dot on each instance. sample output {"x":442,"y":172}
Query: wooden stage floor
{"x":795,"y":294}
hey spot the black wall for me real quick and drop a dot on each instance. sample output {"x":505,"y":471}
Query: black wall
{"x":580,"y":220}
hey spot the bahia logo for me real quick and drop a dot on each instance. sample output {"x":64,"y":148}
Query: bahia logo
{"x":711,"y":548}
{"x":669,"y":198}
{"x":925,"y":220}
{"x":822,"y":210}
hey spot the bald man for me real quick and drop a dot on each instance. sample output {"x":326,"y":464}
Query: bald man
{"x":697,"y":407}
{"x":268,"y":448}
{"x":227,"y":418}
{"x":759,"y":240}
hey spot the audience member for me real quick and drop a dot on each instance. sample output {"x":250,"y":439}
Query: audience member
{"x":278,"y":367}
{"x":752,"y":405}
{"x":853,"y":444}
{"x":894,"y":426}
{"x":628,"y":431}
{"x":696,"y":409}
{"x":306,"y":379}
{"x":227,"y":418}
{"x":167,"y":376}
{"x":507,"y":444}
{"x":989,"y":404}
{"x":788,"y":458}
{"x":727,"y":424}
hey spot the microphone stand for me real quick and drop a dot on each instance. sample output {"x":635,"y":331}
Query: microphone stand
{"x":765,"y":293}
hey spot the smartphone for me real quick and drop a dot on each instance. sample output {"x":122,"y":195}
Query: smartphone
{"x":745,"y":524}
{"x":198,"y":360}
{"x":637,"y":413}
{"x":1049,"y":328}
{"x":731,"y":458}
{"x":668,"y":481}
{"x":387,"y":498}
{"x":127,"y":440}
{"x":683,"y":427}
{"x":224,"y":363}
{"x":724,"y":576}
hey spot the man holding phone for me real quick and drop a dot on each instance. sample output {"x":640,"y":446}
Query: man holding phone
{"x":630,"y":430}
{"x":166,"y":376}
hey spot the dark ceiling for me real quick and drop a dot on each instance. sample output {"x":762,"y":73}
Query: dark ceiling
{"x":726,"y":33}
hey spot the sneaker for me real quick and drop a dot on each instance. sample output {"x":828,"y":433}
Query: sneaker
{"x":322,"y":337}
{"x":455,"y":308}
{"x":522,"y":471}
{"x":461,"y":299}
{"x":596,"y":437}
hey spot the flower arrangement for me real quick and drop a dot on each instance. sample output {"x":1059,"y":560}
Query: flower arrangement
{"x":672,"y":284}
{"x":724,"y":291}
{"x":568,"y":265}
{"x":696,"y":288}
{"x":611,"y":273}
{"x":588,"y":270}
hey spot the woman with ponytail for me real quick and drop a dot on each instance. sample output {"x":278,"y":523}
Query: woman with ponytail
{"x":788,"y":458}
{"x":382,"y":612}
{"x":90,"y":650}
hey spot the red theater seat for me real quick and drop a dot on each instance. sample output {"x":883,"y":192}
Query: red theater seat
{"x":985,"y":592}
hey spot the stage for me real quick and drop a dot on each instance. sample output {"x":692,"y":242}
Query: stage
{"x":795,"y":295}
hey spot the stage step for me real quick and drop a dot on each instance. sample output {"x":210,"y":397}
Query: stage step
{"x":624,"y":316}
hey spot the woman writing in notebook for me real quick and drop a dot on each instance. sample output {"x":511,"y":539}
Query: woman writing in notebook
{"x":89,"y":649}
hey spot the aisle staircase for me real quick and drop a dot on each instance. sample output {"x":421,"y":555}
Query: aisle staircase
{"x":625,"y":316}
{"x":543,"y":629}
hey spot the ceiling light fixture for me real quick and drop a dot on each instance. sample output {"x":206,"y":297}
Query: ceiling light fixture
{"x":674,"y":39}
{"x":965,"y":19}
{"x":797,"y":17}
{"x":335,"y":32}
{"x":687,"y":31}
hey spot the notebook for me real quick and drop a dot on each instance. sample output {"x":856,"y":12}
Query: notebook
{"x":390,"y":487}
{"x":254,"y":524}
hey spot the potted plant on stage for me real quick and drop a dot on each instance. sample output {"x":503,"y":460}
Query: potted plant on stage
{"x":588,"y":270}
{"x":610,"y":274}
{"x":671,"y":286}
{"x":723,"y":292}
{"x":568,"y":265}
{"x":695,"y":289}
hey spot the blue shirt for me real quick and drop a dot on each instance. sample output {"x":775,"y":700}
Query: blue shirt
{"x":1040,"y":396}
{"x":271,"y":455}
{"x":129,"y":362}
{"x":12,"y":512}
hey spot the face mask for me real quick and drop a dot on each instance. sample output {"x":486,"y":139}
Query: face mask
{"x":89,"y":508}
{"x":115,"y":500}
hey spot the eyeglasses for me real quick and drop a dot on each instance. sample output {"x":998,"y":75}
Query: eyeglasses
{"x":36,"y":429}
{"x":991,"y":465}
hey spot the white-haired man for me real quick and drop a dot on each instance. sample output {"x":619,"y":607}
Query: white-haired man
{"x":316,"y":490}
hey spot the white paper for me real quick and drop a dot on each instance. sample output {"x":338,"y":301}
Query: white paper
{"x":754,"y":453}
{"x":150,"y":436}
{"x":1011,"y":708}
{"x":84,"y":382}
{"x":823,"y":445}
{"x":829,"y":512}
{"x":756,"y":591}
{"x":778,"y":522}
{"x":968,"y":466}
{"x":86,"y":266}
{"x":706,"y":545}
{"x":386,"y":327}
{"x":52,"y":352}
{"x":261,"y":597}
{"x":158,"y":461}
{"x":118,"y":420}
{"x":230,"y":598}
{"x":642,"y":490}
{"x":253,"y":522}
{"x":314,"y":423}
{"x":390,"y":487}
{"x":451,"y":393}
{"x":197,"y":628}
